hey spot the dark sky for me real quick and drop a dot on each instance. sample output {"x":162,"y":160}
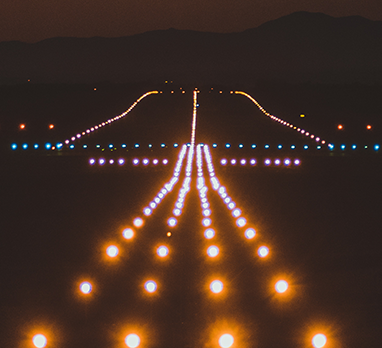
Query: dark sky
{"x":35,"y":20}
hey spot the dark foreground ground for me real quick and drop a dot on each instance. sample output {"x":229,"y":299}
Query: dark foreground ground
{"x":321,"y":221}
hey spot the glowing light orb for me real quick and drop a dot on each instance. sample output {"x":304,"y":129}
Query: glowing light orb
{"x":39,"y":341}
{"x":216,"y":286}
{"x":22,"y":126}
{"x":135,"y":161}
{"x":213,"y":251}
{"x":128,"y":233}
{"x":226,"y":341}
{"x":111,"y":161}
{"x":147,"y":211}
{"x":121,"y":161}
{"x":112,"y":251}
{"x":319,"y":341}
{"x":243,"y":162}
{"x":249,"y":233}
{"x":91,"y":161}
{"x":241,"y":222}
{"x":236,"y":212}
{"x":287,"y":162}
{"x":277,"y":162}
{"x":155,"y":161}
{"x":101,"y":161}
{"x":267,"y":162}
{"x":297,"y":162}
{"x":165,"y":161}
{"x":171,"y":222}
{"x":206,"y":212}
{"x":281,"y":286}
{"x":169,"y":234}
{"x":223,"y":162}
{"x":132,"y":340}
{"x":209,"y":233}
{"x":368,"y":127}
{"x":253,"y":162}
{"x":86,"y":288}
{"x":206,"y":222}
{"x":150,"y":286}
{"x":340,"y":126}
{"x":177,"y":212}
{"x":138,"y":222}
{"x":231,"y":205}
{"x":233,"y":161}
{"x":263,"y":251}
{"x":162,"y":251}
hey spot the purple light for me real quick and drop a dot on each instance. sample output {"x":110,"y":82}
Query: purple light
{"x":233,"y":161}
{"x":223,"y":162}
{"x":91,"y":161}
{"x":101,"y":161}
{"x":267,"y":162}
{"x":253,"y":162}
{"x":145,"y":162}
{"x":277,"y":162}
{"x":121,"y":161}
{"x":111,"y":161}
{"x":243,"y":162}
{"x":155,"y":161}
{"x":135,"y":161}
{"x":297,"y":162}
{"x":165,"y":161}
{"x":287,"y":162}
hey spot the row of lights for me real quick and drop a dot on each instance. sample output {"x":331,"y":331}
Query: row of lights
{"x":267,"y":162}
{"x":281,"y":121}
{"x":226,"y":340}
{"x":22,"y":126}
{"x":109,"y":121}
{"x":135,"y":161}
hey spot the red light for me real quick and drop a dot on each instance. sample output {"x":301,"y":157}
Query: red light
{"x":340,"y":126}
{"x":22,"y":126}
{"x":368,"y":127}
{"x":51,"y":126}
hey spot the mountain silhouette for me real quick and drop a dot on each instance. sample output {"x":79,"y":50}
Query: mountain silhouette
{"x":300,"y":47}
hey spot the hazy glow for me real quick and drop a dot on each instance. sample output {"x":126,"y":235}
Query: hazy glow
{"x":86,"y":287}
{"x":319,"y":341}
{"x":209,"y":233}
{"x":128,"y":233}
{"x":138,"y":222}
{"x":249,"y":233}
{"x":162,"y":251}
{"x":112,"y":251}
{"x":226,"y":341}
{"x":281,"y":286}
{"x":132,"y":340}
{"x":150,"y":286}
{"x":39,"y":341}
{"x":263,"y":251}
{"x":216,"y":286}
{"x":213,"y":251}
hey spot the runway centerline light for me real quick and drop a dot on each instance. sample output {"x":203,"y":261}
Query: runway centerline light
{"x":150,"y":286}
{"x":39,"y":341}
{"x":216,"y":286}
{"x":213,"y":251}
{"x":162,"y":251}
{"x":249,"y":233}
{"x":138,"y":222}
{"x":128,"y":233}
{"x":132,"y":340}
{"x":226,"y":341}
{"x":319,"y":341}
{"x":263,"y":251}
{"x":209,"y":233}
{"x":112,"y":251}
{"x":86,"y":288}
{"x":281,"y":286}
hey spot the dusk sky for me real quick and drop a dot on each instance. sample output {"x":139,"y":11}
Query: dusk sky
{"x":35,"y":20}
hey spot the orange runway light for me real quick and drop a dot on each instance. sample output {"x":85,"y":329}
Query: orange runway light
{"x":340,"y":127}
{"x":22,"y":126}
{"x":51,"y":126}
{"x":368,"y":127}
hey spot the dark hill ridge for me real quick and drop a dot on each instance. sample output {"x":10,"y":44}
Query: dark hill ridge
{"x":300,"y":47}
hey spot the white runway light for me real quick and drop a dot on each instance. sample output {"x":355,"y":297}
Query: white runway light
{"x":216,"y":286}
{"x":39,"y":341}
{"x":226,"y":341}
{"x":319,"y":341}
{"x":132,"y":340}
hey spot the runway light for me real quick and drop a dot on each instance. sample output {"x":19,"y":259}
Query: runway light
{"x":132,"y":340}
{"x":263,"y":251}
{"x":128,"y":233}
{"x":340,"y":127}
{"x":14,"y":146}
{"x":150,"y":286}
{"x":138,"y":222}
{"x":25,"y":146}
{"x":376,"y":147}
{"x":213,"y":251}
{"x":240,"y":222}
{"x":249,"y":233}
{"x":319,"y":341}
{"x":267,"y":162}
{"x":227,"y":145}
{"x":209,"y":233}
{"x":216,"y":286}
{"x":86,"y":288}
{"x":171,"y":222}
{"x":22,"y":126}
{"x":297,"y":162}
{"x":39,"y":341}
{"x":253,"y":146}
{"x":281,"y":286}
{"x":368,"y":127}
{"x":168,"y":234}
{"x":226,"y":341}
{"x":162,"y":251}
{"x":206,"y":222}
{"x":112,"y":251}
